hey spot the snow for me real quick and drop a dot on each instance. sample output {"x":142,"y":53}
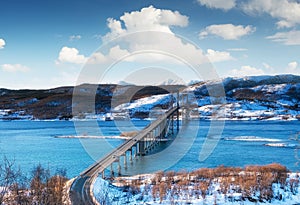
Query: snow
{"x":281,"y":145}
{"x":251,"y":139}
{"x":278,"y":101}
{"x":114,"y":194}
{"x":249,"y":111}
{"x":144,"y":104}
{"x":8,"y":114}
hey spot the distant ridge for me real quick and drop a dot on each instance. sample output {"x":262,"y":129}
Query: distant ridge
{"x":254,"y":97}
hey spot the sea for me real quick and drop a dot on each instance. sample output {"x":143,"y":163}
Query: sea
{"x":55,"y":145}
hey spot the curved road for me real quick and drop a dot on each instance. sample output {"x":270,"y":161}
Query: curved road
{"x":81,"y":192}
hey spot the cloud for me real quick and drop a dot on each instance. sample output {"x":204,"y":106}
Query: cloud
{"x":149,"y":29}
{"x":147,"y":19}
{"x":246,"y":71}
{"x":70,"y":55}
{"x":227,"y":31}
{"x":74,"y":37}
{"x":14,"y":68}
{"x":218,"y":56}
{"x":293,"y":68}
{"x":2,"y":43}
{"x":146,"y":38}
{"x":218,"y":4}
{"x":113,"y":55}
{"x":286,"y":11}
{"x":287,"y":38}
{"x":115,"y":29}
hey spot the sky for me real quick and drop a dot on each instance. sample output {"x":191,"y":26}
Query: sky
{"x":46,"y":44}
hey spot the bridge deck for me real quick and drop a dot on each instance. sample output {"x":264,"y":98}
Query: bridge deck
{"x":103,"y":163}
{"x":81,"y":190}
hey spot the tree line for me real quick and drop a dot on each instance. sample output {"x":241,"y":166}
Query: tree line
{"x":252,"y":183}
{"x":39,"y":188}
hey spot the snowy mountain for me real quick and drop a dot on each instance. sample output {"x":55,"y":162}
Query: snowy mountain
{"x":249,"y":98}
{"x":255,"y":98}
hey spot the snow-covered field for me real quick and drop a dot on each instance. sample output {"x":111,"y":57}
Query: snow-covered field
{"x":116,"y":194}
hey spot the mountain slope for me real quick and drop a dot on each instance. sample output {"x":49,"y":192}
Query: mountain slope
{"x":57,"y":103}
{"x":249,"y":98}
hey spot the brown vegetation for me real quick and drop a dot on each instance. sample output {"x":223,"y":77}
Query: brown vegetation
{"x":129,"y":134}
{"x":40,"y":188}
{"x":254,"y":183}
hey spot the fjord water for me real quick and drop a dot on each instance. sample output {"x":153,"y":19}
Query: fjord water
{"x":32,"y":142}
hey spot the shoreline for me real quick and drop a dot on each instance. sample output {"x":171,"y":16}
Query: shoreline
{"x":277,"y":118}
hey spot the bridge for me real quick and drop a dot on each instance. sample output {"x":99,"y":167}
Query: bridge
{"x":145,"y":141}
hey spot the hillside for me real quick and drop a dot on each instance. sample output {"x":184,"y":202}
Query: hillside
{"x":256,"y":98}
{"x":249,"y":98}
{"x":57,"y":103}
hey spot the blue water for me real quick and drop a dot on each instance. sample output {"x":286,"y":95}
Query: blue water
{"x":33,"y":142}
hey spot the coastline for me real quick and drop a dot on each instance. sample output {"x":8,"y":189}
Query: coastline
{"x":282,"y":118}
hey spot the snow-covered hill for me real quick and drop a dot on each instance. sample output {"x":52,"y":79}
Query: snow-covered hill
{"x":249,"y":98}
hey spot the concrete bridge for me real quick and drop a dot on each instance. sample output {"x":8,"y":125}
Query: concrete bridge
{"x":141,"y":144}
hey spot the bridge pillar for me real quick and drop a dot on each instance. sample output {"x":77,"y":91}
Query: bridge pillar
{"x":119,"y":168}
{"x":103,"y":174}
{"x":111,"y":171}
{"x":141,"y":148}
{"x":125,"y":161}
{"x":172,"y":124}
{"x":130,"y":154}
{"x":177,"y":120}
{"x":136,"y":150}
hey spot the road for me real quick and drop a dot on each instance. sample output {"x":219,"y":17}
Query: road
{"x":80,"y":192}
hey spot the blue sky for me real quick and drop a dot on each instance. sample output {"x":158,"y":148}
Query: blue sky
{"x":46,"y":44}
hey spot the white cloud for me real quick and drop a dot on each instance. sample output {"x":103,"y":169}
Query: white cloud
{"x":147,"y":19}
{"x":218,"y":56}
{"x":246,"y":71}
{"x":2,"y":43}
{"x":75,"y":37}
{"x":146,"y":38}
{"x":114,"y":54}
{"x":286,"y":11}
{"x":287,"y":38}
{"x":227,"y":31}
{"x":149,"y":29}
{"x":293,"y":68}
{"x":14,"y":68}
{"x":218,"y":4}
{"x":115,"y":29}
{"x":70,"y":55}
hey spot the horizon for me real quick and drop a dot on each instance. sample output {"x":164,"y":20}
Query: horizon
{"x":192,"y":82}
